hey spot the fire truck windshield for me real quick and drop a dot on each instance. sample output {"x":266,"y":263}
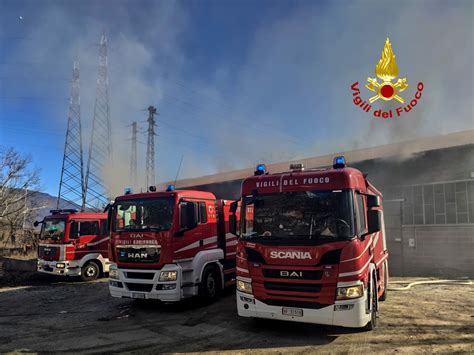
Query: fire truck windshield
{"x":152,"y":214}
{"x":305,"y":215}
{"x":53,"y":229}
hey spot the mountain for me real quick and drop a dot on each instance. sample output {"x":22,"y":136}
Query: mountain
{"x":46,"y":202}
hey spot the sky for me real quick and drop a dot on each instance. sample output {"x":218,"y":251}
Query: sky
{"x":235,"y":83}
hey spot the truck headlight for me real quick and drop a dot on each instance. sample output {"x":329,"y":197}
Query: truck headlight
{"x":243,"y":286}
{"x":60,"y":265}
{"x":113,"y":274}
{"x":168,"y":276}
{"x":348,"y":293}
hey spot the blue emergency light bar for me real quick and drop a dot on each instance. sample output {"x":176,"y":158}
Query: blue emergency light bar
{"x":170,"y":188}
{"x":339,"y":162}
{"x":260,"y":169}
{"x":127,"y":190}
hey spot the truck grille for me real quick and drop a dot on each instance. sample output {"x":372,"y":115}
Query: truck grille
{"x":48,"y":253}
{"x":138,"y":255}
{"x":139,"y":287}
{"x":299,"y":287}
{"x":296,"y":304}
{"x":293,"y":274}
{"x":140,"y":275}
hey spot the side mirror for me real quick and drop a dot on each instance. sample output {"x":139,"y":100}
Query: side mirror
{"x":374,"y":221}
{"x":110,"y":210}
{"x":36,"y":223}
{"x":373,"y":201}
{"x":233,"y":217}
{"x":108,"y":206}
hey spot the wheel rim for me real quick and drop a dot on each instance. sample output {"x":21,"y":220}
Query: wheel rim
{"x":90,"y":271}
{"x":211,"y":285}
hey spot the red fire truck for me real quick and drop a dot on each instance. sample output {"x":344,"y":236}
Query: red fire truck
{"x":74,"y":244}
{"x":170,"y":245}
{"x":312,"y":247}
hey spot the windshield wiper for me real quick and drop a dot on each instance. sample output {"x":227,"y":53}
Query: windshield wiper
{"x":311,"y":228}
{"x":151,"y":228}
{"x":250,"y":236}
{"x":129,"y":228}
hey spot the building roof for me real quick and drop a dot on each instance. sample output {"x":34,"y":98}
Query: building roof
{"x":404,"y":148}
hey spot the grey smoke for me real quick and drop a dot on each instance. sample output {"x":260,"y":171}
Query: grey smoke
{"x":289,"y":99}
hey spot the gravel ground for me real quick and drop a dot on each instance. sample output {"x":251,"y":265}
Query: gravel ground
{"x":58,"y":316}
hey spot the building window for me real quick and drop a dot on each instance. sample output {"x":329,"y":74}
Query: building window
{"x":439,"y":203}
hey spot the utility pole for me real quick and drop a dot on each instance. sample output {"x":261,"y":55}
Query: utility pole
{"x":133,"y":158}
{"x":100,"y":149}
{"x":150,"y":148}
{"x":71,"y":185}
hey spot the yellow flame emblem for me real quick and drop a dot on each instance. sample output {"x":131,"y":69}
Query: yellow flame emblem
{"x":387,"y":70}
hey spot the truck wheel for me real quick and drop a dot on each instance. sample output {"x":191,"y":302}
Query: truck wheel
{"x":385,"y":281}
{"x":210,"y":286}
{"x":90,"y":271}
{"x":372,"y":299}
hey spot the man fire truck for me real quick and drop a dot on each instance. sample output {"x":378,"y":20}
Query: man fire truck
{"x":170,"y":245}
{"x":74,"y":244}
{"x":312,"y":247}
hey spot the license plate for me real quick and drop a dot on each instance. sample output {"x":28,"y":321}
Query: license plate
{"x":294,"y":312}
{"x":138,"y":295}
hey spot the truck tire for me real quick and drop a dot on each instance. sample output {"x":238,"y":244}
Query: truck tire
{"x":385,"y":281}
{"x":210,"y":285}
{"x":372,"y":303}
{"x":90,"y":271}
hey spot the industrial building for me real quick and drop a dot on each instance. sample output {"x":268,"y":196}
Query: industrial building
{"x":428,"y":188}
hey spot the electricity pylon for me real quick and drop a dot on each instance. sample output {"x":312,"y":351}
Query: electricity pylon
{"x":100,"y":148}
{"x":133,"y":157}
{"x":71,"y":185}
{"x":150,"y":148}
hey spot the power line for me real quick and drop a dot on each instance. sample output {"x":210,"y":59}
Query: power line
{"x":263,"y":128}
{"x":33,"y":98}
{"x":33,"y":131}
{"x":250,"y":118}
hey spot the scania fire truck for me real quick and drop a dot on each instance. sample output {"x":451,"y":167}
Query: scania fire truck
{"x":312,"y":246}
{"x":74,"y":243}
{"x":170,"y":245}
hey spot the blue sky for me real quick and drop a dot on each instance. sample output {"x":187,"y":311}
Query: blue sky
{"x":235,"y":82}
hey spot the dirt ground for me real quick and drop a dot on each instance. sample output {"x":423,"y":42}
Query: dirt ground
{"x":57,"y":316}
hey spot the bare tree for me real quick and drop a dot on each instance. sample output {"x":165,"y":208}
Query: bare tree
{"x":18,"y":182}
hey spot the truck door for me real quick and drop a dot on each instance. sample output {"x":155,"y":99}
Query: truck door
{"x":197,"y":228}
{"x":82,"y":233}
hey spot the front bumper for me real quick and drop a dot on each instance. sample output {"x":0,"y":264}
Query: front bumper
{"x":144,"y":284}
{"x":353,"y":315}
{"x":71,"y":267}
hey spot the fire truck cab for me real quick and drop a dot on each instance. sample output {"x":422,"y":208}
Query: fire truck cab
{"x":311,"y":247}
{"x":74,"y":243}
{"x":170,"y":245}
